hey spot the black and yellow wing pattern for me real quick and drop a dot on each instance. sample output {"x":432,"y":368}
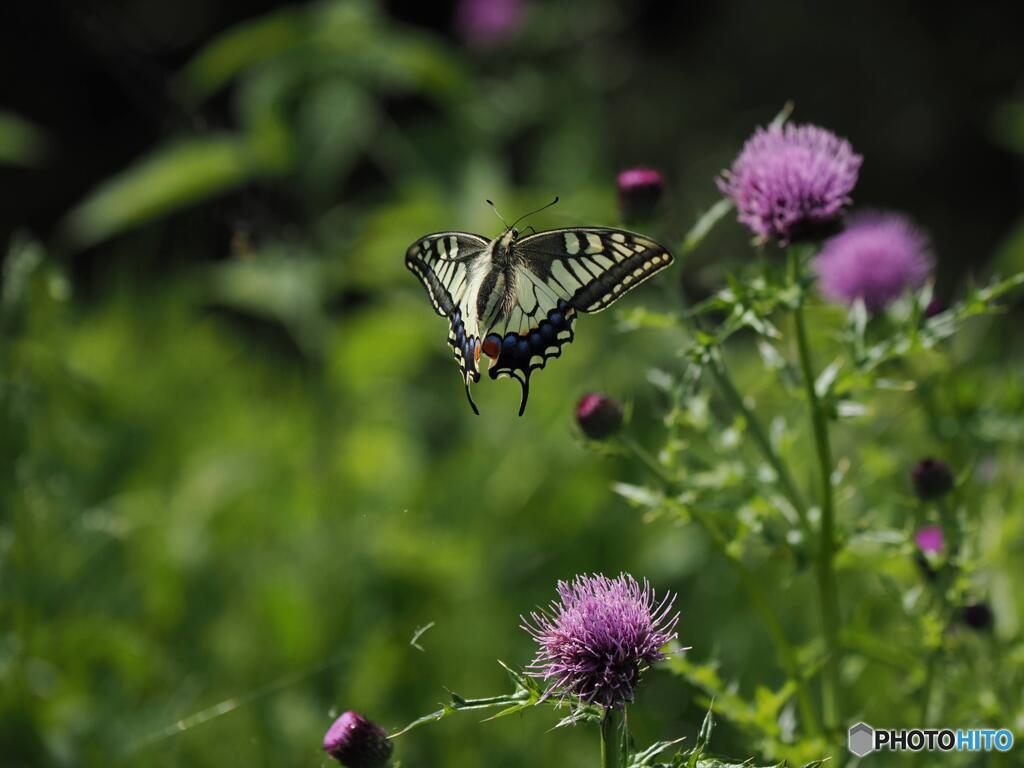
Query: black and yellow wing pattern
{"x":531,"y":291}
{"x":442,"y":262}
{"x":561,"y":273}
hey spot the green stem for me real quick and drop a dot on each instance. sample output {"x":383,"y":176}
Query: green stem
{"x":611,"y":752}
{"x":645,"y":458}
{"x":757,"y":431}
{"x":828,"y":591}
{"x":929,"y":683}
{"x":951,"y":530}
{"x":783,"y":648}
{"x":520,"y":698}
{"x":943,"y":582}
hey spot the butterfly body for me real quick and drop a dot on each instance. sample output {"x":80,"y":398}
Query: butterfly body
{"x":515,"y":300}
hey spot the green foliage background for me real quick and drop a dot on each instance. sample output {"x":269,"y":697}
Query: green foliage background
{"x":235,"y":486}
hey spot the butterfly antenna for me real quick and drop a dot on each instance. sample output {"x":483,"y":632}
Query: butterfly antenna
{"x":495,"y":209}
{"x":531,"y":213}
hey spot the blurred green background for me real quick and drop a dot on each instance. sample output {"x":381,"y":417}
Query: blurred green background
{"x":239,"y":471}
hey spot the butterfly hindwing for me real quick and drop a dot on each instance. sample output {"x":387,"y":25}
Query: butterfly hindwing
{"x":443,"y":263}
{"x":517,"y":353}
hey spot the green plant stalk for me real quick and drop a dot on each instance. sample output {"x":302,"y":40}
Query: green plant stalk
{"x":951,"y":530}
{"x":828,"y":591}
{"x":945,"y":580}
{"x":783,"y":648}
{"x":928,"y":713}
{"x":611,"y":752}
{"x":786,"y":652}
{"x":488,"y":702}
{"x":926,"y":691}
{"x":932,"y":689}
{"x":757,"y":431}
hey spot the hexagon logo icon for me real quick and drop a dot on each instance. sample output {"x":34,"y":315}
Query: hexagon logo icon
{"x":861,"y":739}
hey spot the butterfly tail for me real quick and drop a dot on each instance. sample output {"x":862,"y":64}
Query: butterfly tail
{"x":525,"y":384}
{"x":469,"y":397}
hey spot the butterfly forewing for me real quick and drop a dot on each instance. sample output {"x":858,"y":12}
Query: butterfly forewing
{"x":592,"y":267}
{"x":443,"y":262}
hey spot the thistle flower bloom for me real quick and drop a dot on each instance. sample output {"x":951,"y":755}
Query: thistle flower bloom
{"x":487,"y":23}
{"x":640,"y":191}
{"x":876,"y":258}
{"x":599,"y":635}
{"x":599,"y":416}
{"x":356,"y":742}
{"x":930,"y":539}
{"x":932,"y":479}
{"x":791,"y":182}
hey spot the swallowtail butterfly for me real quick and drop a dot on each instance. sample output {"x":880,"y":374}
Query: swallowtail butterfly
{"x":515,"y":299}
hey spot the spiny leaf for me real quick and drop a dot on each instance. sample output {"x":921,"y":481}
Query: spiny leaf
{"x":704,"y":736}
{"x":704,"y":224}
{"x":639,"y":495}
{"x":646,"y":757}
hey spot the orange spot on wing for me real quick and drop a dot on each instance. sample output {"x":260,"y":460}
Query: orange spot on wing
{"x":492,"y":347}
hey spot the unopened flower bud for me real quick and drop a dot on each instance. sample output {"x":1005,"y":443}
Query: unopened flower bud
{"x":932,"y":479}
{"x":935,"y":306}
{"x":977,"y":616}
{"x":599,"y":416}
{"x":356,"y":742}
{"x":930,"y":539}
{"x":640,"y":191}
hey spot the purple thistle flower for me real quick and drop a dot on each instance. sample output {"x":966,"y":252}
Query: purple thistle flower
{"x":487,"y":23}
{"x":793,"y":182}
{"x":876,"y":258}
{"x":597,"y":638}
{"x":356,"y":742}
{"x":640,"y":191}
{"x":930,"y":539}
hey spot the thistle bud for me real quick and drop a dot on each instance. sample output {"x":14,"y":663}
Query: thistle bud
{"x":977,"y":616}
{"x":640,"y":191}
{"x":935,"y":306}
{"x":356,"y":742}
{"x":930,"y":539}
{"x":599,"y":416}
{"x":932,"y":479}
{"x":487,"y":24}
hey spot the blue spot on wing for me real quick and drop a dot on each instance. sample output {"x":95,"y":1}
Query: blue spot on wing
{"x":464,"y":348}
{"x":522,"y":354}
